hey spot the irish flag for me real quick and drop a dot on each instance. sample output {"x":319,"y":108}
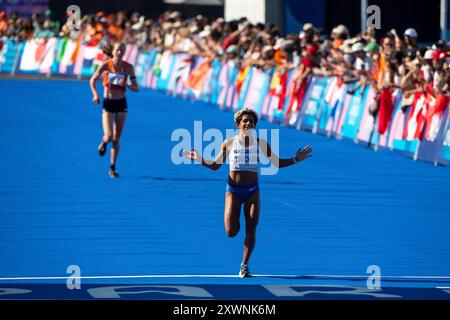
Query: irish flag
{"x":65,"y":56}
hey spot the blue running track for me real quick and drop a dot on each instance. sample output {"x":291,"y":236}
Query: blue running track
{"x":323,"y":222}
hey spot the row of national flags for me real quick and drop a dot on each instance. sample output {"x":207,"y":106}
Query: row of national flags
{"x":65,"y":56}
{"x":280,"y":94}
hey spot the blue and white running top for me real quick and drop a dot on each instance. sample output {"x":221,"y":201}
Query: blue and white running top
{"x":242,"y":158}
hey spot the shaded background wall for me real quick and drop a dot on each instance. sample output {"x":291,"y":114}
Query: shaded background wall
{"x":288,"y":15}
{"x":150,"y":9}
{"x":423,"y":15}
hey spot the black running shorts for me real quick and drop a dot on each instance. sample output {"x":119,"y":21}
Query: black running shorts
{"x":115,"y":105}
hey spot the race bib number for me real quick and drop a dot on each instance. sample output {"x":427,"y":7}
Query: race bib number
{"x":117,"y":78}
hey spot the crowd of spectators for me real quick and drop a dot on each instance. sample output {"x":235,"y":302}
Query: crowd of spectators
{"x":18,"y":27}
{"x":388,"y":61}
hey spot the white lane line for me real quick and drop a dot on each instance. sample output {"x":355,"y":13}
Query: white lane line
{"x":389,"y":277}
{"x":126,"y":277}
{"x":216,"y":276}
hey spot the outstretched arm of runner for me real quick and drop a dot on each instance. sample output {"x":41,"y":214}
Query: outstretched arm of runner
{"x":301,"y":155}
{"x":213,"y":165}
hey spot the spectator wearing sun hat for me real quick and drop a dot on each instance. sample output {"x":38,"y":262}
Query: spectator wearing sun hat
{"x":411,"y":33}
{"x":339,"y":34}
{"x":410,"y":37}
{"x":439,"y":58}
{"x":362,"y":64}
{"x":427,"y":66}
{"x":308,"y":28}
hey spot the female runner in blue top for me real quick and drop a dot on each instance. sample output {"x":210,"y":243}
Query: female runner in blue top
{"x":242,"y":151}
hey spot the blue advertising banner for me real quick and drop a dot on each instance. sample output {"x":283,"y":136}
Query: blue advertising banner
{"x":444,"y":156}
{"x":258,"y":89}
{"x":244,"y":88}
{"x":166,"y":65}
{"x":264,"y":86}
{"x":333,"y":100}
{"x":215,"y":86}
{"x":141,"y":67}
{"x":408,"y":147}
{"x":430,"y":150}
{"x":313,"y":101}
{"x":355,"y":113}
{"x":8,"y":54}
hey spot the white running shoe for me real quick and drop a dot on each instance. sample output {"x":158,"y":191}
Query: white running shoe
{"x":244,"y":272}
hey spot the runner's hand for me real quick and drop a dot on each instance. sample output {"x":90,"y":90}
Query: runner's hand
{"x":303,"y":154}
{"x":193,"y":154}
{"x":96,"y":100}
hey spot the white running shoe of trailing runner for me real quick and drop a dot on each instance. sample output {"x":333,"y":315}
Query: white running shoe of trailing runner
{"x":244,"y":272}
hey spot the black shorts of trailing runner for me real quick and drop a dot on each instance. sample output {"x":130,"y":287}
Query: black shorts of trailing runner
{"x":115,"y":105}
